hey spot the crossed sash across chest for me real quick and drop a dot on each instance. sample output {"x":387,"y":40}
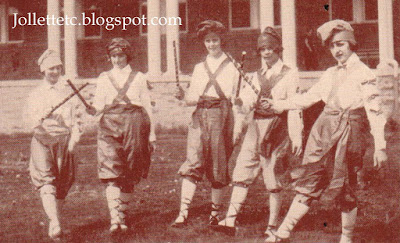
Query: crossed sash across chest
{"x":208,"y":102}
{"x":123,"y":138}
{"x":266,"y":88}
{"x":211,"y":134}
{"x":116,"y":107}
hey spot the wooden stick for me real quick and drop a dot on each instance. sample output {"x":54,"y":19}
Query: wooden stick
{"x":63,"y":101}
{"x":243,"y":74}
{"x":176,"y":65}
{"x":240,"y":76}
{"x":78,"y":94}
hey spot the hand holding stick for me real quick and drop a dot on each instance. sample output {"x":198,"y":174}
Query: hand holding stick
{"x":64,"y":101}
{"x":89,"y":108}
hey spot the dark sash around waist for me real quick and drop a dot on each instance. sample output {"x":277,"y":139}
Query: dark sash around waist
{"x":354,"y":114}
{"x":207,"y":102}
{"x":121,"y":108}
{"x":50,"y":138}
{"x":266,"y":114}
{"x":266,"y":87}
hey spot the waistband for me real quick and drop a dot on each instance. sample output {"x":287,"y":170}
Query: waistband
{"x":207,"y":102}
{"x":358,"y":112}
{"x":121,"y":108}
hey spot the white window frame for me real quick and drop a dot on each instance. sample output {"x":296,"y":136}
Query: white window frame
{"x":280,"y":15}
{"x":358,"y":13}
{"x":163,"y":27}
{"x":230,"y":19}
{"x":95,"y":37}
{"x":186,"y":14}
{"x":142,"y":3}
{"x":5,"y":37}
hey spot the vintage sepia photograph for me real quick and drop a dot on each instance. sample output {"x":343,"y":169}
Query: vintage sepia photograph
{"x":200,"y":121}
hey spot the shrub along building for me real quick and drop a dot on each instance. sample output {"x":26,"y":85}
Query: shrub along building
{"x":153,"y":48}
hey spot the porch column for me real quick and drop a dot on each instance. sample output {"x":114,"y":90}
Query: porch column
{"x":288,"y":17}
{"x":172,"y":7}
{"x":53,"y":31}
{"x":153,"y":39}
{"x":80,"y":28}
{"x":254,"y":14}
{"x":70,"y":49}
{"x":3,"y":22}
{"x":266,"y":14}
{"x":385,"y":27}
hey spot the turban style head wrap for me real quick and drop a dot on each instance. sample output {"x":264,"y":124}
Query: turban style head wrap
{"x":119,"y":45}
{"x":209,"y":26}
{"x":270,"y":39}
{"x":49,"y":59}
{"x":336,"y":30}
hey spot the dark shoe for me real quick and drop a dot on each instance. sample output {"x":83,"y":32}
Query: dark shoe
{"x":213,"y":220}
{"x":179,"y":224}
{"x":271,"y":230}
{"x":274,"y":239}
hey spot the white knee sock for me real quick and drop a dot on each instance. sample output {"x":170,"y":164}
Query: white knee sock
{"x":348,"y":225}
{"x":239,"y":195}
{"x":275,"y":202}
{"x":187,"y":193}
{"x":113,"y":196}
{"x":47,"y":193}
{"x":296,"y":212}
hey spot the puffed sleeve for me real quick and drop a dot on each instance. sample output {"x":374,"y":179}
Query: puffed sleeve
{"x":193,"y":94}
{"x":235,"y":82}
{"x":372,"y":103}
{"x":32,"y":112}
{"x":295,"y":117}
{"x":99,"y":100}
{"x":145,"y":97}
{"x":302,"y":101}
{"x":76,"y":114}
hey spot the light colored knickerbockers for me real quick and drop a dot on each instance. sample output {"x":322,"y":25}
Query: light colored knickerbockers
{"x":265,"y":142}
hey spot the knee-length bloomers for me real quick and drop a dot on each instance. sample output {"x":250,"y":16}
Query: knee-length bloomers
{"x":352,"y":99}
{"x":265,"y":141}
{"x":210,"y":137}
{"x":51,"y":163}
{"x":125,"y":127}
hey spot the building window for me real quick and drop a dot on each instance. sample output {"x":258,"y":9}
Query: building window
{"x":17,"y":33}
{"x":183,"y":14}
{"x":371,"y":9}
{"x":277,"y":12}
{"x":143,"y":12}
{"x":93,"y":30}
{"x":239,"y":14}
{"x":7,"y":32}
{"x":355,"y":11}
{"x":341,"y":9}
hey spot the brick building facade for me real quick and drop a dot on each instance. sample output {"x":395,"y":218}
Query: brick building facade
{"x":20,"y":47}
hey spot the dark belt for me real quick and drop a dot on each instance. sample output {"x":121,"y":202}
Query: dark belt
{"x":207,"y":102}
{"x":359,"y":112}
{"x":263,"y":114}
{"x":121,"y":108}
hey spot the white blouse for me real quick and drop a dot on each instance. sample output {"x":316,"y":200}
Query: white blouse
{"x":227,"y":79}
{"x":356,"y":88}
{"x":138,"y":93}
